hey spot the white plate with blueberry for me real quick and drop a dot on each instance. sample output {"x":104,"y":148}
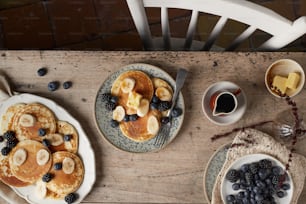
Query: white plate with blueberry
{"x":257,"y":177}
{"x":114,"y":135}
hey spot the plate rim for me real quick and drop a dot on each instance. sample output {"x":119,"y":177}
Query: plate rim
{"x":74,"y":122}
{"x":125,"y":68}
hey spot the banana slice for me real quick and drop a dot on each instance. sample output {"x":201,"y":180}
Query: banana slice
{"x":41,"y":189}
{"x":55,"y":139}
{"x":163,"y":94}
{"x":68,"y":165}
{"x":158,"y":82}
{"x":143,"y":108}
{"x":19,"y":157}
{"x":42,"y":157}
{"x":118,"y":113}
{"x":27,"y":120}
{"x":152,"y":125}
{"x":127,"y":85}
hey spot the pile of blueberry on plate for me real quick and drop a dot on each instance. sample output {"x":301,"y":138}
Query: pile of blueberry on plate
{"x":256,"y":179}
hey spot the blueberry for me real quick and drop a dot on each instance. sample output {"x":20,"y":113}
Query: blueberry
{"x":1,"y":138}
{"x":41,"y":132}
{"x":230,"y":198}
{"x":280,"y":194}
{"x":47,"y":177}
{"x":164,"y":105}
{"x":244,"y":167}
{"x":53,"y":85}
{"x":285,"y":186}
{"x":235,"y":186}
{"x":58,"y":166}
{"x":110,"y":106}
{"x":46,"y":143}
{"x":11,"y":143}
{"x":5,"y":151}
{"x":42,"y":71}
{"x":276,"y":170}
{"x":70,"y":198}
{"x":67,"y":137}
{"x":126,"y":118}
{"x":67,"y":84}
{"x":133,"y":117}
{"x":155,"y":99}
{"x":154,"y":106}
{"x":165,"y":120}
{"x":114,"y":123}
{"x":176,"y":112}
{"x":114,"y":99}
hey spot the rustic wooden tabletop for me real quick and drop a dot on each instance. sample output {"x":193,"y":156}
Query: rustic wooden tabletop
{"x":175,"y":173}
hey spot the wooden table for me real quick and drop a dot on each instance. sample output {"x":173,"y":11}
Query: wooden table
{"x":174,"y":174}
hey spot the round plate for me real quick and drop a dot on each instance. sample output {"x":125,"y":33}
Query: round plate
{"x":114,"y":135}
{"x":85,"y":150}
{"x":212,"y":170}
{"x":226,"y":186}
{"x":227,"y":119}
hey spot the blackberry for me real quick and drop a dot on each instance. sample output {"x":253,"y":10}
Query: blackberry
{"x":176,"y":112}
{"x":70,"y":198}
{"x":133,"y":117}
{"x":5,"y":151}
{"x":46,"y":143}
{"x":67,"y":84}
{"x":106,"y":97}
{"x":47,"y":177}
{"x":265,"y":164}
{"x":232,"y":175}
{"x":58,"y":166}
{"x":67,"y":137}
{"x":114,"y":123}
{"x":275,"y":180}
{"x":41,"y":132}
{"x":42,"y":71}
{"x":53,"y":85}
{"x":1,"y":138}
{"x":254,"y":167}
{"x":11,"y":143}
{"x":9,"y":135}
{"x":164,"y":105}
{"x":110,"y":106}
{"x":248,"y":177}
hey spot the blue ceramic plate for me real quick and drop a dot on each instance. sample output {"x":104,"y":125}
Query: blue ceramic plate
{"x":114,"y":135}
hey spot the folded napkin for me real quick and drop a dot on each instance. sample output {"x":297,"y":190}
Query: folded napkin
{"x":254,"y":142}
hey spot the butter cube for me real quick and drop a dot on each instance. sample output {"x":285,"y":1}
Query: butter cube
{"x":279,"y":83}
{"x":134,"y":100}
{"x":293,"y":80}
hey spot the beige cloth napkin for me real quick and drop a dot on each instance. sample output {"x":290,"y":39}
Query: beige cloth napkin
{"x":9,"y":195}
{"x":258,"y":142}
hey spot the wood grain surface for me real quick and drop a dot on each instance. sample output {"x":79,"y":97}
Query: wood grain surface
{"x":175,"y":173}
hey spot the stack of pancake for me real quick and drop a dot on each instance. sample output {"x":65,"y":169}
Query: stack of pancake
{"x":44,"y":144}
{"x":135,"y":90}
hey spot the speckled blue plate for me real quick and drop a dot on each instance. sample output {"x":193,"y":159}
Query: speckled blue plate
{"x":212,"y":170}
{"x":114,"y":135}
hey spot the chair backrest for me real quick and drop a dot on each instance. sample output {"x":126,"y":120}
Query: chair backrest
{"x":282,"y":30}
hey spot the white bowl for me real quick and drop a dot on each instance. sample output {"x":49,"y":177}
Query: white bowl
{"x":283,"y":67}
{"x":226,"y":186}
{"x":226,"y":119}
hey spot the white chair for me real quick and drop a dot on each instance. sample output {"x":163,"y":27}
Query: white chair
{"x":282,"y":30}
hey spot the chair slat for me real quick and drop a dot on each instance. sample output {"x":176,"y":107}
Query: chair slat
{"x":165,"y":28}
{"x":191,"y":29}
{"x":215,"y":33}
{"x":244,"y":35}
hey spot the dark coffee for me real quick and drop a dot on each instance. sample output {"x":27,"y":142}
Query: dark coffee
{"x":225,"y":103}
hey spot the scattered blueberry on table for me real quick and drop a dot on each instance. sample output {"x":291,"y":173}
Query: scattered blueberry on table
{"x":42,"y":71}
{"x":53,"y":85}
{"x":67,"y":84}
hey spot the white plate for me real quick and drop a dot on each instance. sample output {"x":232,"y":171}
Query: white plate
{"x":85,"y":150}
{"x":227,"y":119}
{"x":226,"y":186}
{"x":114,"y":135}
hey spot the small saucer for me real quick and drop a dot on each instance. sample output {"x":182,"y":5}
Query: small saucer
{"x":227,"y":119}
